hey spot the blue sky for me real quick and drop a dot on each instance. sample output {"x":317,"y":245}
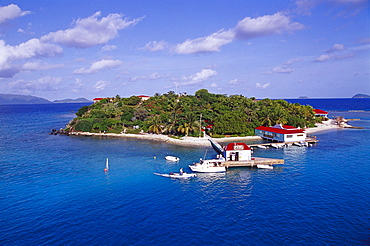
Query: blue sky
{"x":255,"y":48}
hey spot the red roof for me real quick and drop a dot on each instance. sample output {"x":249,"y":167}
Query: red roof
{"x":281,"y":131}
{"x":98,"y":98}
{"x":237,"y":146}
{"x":319,"y":111}
{"x":143,"y":96}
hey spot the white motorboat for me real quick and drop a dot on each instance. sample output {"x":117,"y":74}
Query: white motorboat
{"x":262,"y":146}
{"x":180,"y":175}
{"x":172,"y":158}
{"x":277,"y":146}
{"x":208,"y":166}
{"x":264,"y":166}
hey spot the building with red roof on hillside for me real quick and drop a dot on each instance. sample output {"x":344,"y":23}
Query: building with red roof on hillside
{"x":281,"y":133}
{"x":319,"y":112}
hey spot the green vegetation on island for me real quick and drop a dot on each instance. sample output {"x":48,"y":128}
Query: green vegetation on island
{"x":190,"y":115}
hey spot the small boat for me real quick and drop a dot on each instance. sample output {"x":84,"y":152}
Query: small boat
{"x":262,"y":146}
{"x":172,"y":158}
{"x":180,"y":175}
{"x":106,"y":166}
{"x":264,"y":166}
{"x":208,"y":166}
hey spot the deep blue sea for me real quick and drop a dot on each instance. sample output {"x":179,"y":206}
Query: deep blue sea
{"x":53,"y":190}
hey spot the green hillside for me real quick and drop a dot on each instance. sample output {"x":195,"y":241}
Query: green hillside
{"x":181,"y":115}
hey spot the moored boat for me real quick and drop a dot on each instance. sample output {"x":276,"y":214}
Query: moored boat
{"x":264,"y":166}
{"x":208,"y":166}
{"x":172,"y":158}
{"x":180,"y":175}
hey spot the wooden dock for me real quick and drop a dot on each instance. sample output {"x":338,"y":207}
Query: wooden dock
{"x":310,"y":140}
{"x":253,"y":163}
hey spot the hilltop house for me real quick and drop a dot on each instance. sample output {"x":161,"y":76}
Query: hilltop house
{"x":144,"y":98}
{"x":319,"y":113}
{"x":97,"y":99}
{"x":238,"y":152}
{"x":281,"y":133}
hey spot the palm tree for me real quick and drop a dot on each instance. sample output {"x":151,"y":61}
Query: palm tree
{"x":190,"y":125}
{"x":155,"y":125}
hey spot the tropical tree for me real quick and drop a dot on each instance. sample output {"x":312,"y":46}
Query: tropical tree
{"x":155,"y":125}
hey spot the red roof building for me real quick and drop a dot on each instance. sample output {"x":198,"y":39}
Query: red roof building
{"x":319,"y":112}
{"x":97,"y":99}
{"x":238,"y":152}
{"x":281,"y":133}
{"x":144,"y":98}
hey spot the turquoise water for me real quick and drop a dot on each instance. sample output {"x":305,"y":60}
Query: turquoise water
{"x":54,"y":190}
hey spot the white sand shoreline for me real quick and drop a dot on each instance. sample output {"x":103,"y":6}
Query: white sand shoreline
{"x":196,"y":141}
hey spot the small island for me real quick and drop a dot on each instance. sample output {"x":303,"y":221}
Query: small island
{"x":361,"y":96}
{"x":181,"y":115}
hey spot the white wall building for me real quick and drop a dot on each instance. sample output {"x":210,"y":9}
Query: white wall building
{"x":237,"y":152}
{"x":281,"y":133}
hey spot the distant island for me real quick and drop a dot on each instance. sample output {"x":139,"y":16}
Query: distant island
{"x":7,"y":99}
{"x":21,"y":99}
{"x":78,"y":100}
{"x":361,"y":96}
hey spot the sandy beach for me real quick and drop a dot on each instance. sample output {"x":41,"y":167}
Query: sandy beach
{"x":203,"y":141}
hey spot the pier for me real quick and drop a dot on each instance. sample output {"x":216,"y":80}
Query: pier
{"x":309,"y":140}
{"x":253,"y":163}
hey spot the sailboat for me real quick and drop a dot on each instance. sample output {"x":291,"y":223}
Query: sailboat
{"x":106,"y":166}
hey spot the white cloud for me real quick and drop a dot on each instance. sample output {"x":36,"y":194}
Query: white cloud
{"x":234,"y":82}
{"x":199,"y":77}
{"x":99,"y":65}
{"x":101,"y":85}
{"x":262,"y":86}
{"x":279,"y":69}
{"x":153,"y":76}
{"x":11,"y":12}
{"x":211,"y":43}
{"x":155,"y":46}
{"x":245,"y":29}
{"x":33,"y":48}
{"x":292,"y":61}
{"x":37,"y":66}
{"x":335,"y":48}
{"x":47,"y":83}
{"x":214,"y":85}
{"x":265,"y":25}
{"x":305,"y":6}
{"x":91,"y":31}
{"x":109,"y":47}
{"x":324,"y":58}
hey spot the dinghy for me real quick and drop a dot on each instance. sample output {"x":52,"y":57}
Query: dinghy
{"x":180,"y":175}
{"x":263,"y":166}
{"x":172,"y":158}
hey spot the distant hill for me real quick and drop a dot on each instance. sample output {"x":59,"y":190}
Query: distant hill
{"x":21,"y":99}
{"x":78,"y":100}
{"x":361,"y":96}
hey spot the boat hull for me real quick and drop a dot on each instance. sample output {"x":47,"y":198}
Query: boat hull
{"x":263,"y":166}
{"x":172,"y":158}
{"x":203,"y":169}
{"x":177,"y":175}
